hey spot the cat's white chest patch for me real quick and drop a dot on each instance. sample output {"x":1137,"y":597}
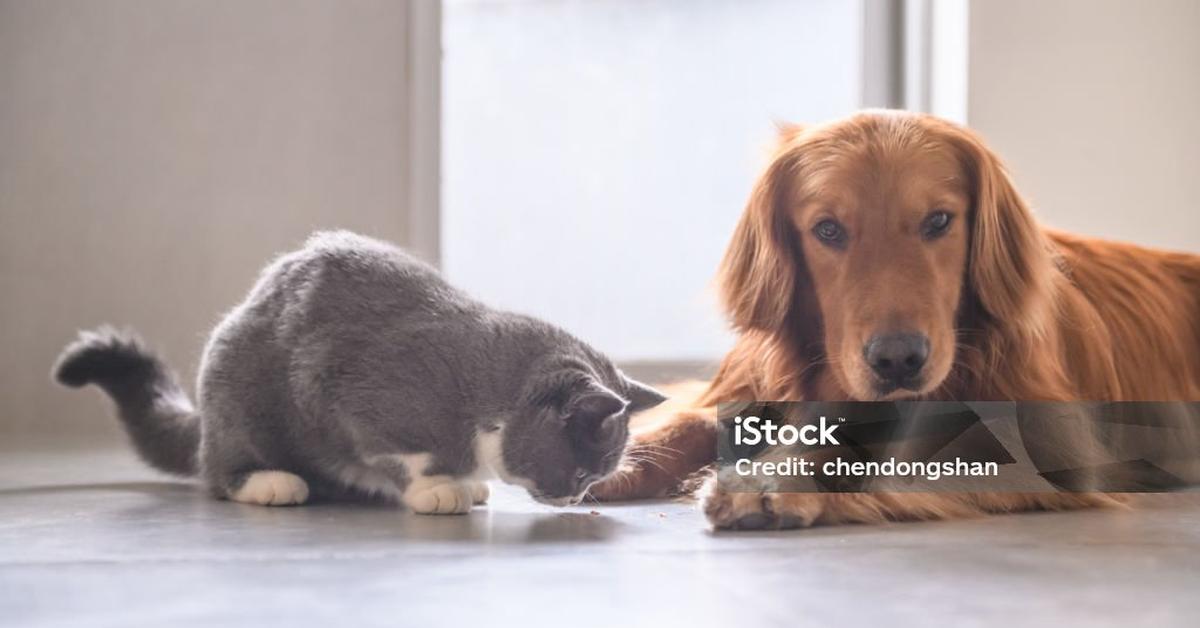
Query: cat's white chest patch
{"x":489,"y":455}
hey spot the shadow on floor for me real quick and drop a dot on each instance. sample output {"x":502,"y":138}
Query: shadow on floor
{"x":118,"y":503}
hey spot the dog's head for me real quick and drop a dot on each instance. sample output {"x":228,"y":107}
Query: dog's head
{"x":869,"y":241}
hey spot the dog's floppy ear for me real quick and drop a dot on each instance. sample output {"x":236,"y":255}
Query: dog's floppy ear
{"x":1011,"y":267}
{"x":757,"y":277}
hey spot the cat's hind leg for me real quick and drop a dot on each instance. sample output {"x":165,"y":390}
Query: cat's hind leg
{"x":233,"y":472}
{"x":243,"y":458}
{"x":269,"y":488}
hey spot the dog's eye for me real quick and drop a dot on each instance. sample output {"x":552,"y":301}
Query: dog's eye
{"x":830,"y":232}
{"x":936,"y":224}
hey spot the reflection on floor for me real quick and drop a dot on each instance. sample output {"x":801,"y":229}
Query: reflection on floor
{"x":92,"y":538}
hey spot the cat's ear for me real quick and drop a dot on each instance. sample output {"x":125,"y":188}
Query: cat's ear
{"x":593,"y":404}
{"x":641,"y":396}
{"x":595,"y":416}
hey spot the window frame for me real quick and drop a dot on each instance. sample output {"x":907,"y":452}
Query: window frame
{"x":913,"y":56}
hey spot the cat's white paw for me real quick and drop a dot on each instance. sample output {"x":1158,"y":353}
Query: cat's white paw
{"x":480,"y":492}
{"x":448,"y":498}
{"x":272,"y":488}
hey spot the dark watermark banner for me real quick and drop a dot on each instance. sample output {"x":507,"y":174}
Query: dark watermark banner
{"x":936,"y":446}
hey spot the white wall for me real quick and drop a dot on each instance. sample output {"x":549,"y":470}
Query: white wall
{"x":1093,"y":104}
{"x":155,"y":153}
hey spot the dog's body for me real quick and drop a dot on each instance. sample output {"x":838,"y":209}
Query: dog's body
{"x":888,"y":256}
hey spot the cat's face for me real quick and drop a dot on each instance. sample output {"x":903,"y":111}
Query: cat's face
{"x":572,"y":433}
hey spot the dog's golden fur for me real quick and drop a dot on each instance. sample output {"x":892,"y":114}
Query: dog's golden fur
{"x":1012,"y":311}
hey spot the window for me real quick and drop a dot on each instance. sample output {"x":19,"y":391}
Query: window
{"x":597,"y":154}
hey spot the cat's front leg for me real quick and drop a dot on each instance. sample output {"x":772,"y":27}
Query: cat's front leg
{"x":435,"y":494}
{"x":480,"y":492}
{"x":440,"y":495}
{"x":774,"y":511}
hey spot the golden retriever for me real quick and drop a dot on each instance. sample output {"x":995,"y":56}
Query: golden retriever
{"x":888,"y":256}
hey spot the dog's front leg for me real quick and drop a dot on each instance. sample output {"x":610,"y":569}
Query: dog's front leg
{"x":775,"y":511}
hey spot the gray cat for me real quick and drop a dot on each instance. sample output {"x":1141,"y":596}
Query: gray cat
{"x":354,"y":368}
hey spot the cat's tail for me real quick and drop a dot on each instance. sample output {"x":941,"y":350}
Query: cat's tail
{"x":154,"y":409}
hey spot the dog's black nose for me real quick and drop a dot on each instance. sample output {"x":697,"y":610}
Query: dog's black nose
{"x":897,"y":358}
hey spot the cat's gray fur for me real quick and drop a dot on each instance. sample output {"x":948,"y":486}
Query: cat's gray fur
{"x":348,"y":352}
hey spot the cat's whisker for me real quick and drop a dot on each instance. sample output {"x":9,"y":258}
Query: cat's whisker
{"x":652,"y":462}
{"x":655,"y":447}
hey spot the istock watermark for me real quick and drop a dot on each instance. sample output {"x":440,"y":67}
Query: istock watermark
{"x":752,"y":430}
{"x":958,"y":446}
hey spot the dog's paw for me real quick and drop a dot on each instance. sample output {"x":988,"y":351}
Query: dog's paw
{"x":448,"y":498}
{"x":760,"y":510}
{"x":272,"y":488}
{"x":662,"y":462}
{"x":628,"y":482}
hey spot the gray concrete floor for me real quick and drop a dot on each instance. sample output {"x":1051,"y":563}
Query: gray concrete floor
{"x":91,"y":537}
